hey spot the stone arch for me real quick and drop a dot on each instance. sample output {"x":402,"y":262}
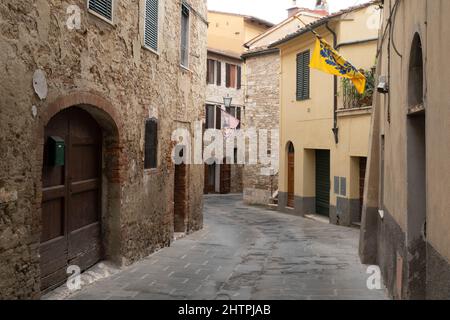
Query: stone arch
{"x":103,"y":112}
{"x":416,"y":74}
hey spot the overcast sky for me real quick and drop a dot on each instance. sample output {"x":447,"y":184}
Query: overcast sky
{"x":273,"y":10}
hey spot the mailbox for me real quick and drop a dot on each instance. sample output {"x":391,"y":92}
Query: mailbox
{"x":56,"y":151}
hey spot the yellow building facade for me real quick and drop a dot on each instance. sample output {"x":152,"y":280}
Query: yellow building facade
{"x":228,"y":32}
{"x":324,"y":124}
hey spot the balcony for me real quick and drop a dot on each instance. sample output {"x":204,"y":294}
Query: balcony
{"x":351,"y":99}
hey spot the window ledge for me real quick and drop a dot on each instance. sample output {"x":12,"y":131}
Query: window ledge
{"x":150,"y":50}
{"x":151,"y":171}
{"x":354,"y":111}
{"x":185,"y":68}
{"x":416,"y":109}
{"x":102,"y":18}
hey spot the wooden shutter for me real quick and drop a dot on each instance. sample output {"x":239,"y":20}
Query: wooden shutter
{"x":228,"y":71}
{"x":219,"y":73}
{"x":151,"y":24}
{"x":232,"y":76}
{"x":303,"y":75}
{"x":103,"y":8}
{"x":151,"y":144}
{"x":211,"y":69}
{"x":239,"y":116}
{"x":239,"y":77}
{"x":218,"y":118}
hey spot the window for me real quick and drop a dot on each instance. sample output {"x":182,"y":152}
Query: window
{"x":231,"y":75}
{"x":185,"y":36}
{"x":210,"y":117}
{"x":210,"y":75}
{"x":303,"y":76}
{"x":151,"y":144}
{"x":151,"y":24}
{"x":102,"y":8}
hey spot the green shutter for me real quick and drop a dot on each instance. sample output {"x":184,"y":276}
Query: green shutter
{"x":303,"y":75}
{"x":323,"y":186}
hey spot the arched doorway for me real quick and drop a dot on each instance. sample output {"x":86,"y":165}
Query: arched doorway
{"x":291,"y":175}
{"x":181,"y":193}
{"x":71,"y":195}
{"x":416,"y":175}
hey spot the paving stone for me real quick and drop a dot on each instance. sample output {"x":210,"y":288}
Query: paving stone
{"x":246,"y":253}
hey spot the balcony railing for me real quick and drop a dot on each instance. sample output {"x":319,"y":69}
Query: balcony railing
{"x":351,"y":98}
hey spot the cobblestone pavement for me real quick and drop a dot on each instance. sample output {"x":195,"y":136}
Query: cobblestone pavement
{"x":246,"y":253}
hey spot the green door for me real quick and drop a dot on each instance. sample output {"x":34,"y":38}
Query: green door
{"x":323,"y":182}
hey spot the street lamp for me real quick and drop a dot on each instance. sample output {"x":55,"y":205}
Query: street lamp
{"x":227,"y":101}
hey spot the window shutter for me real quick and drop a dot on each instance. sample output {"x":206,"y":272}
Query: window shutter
{"x":303,"y":75}
{"x":239,"y":77}
{"x":239,"y":116}
{"x":211,"y":69}
{"x":103,"y":8}
{"x":232,"y":76}
{"x":184,"y":36}
{"x":151,"y":24}
{"x":218,"y":118}
{"x":228,"y":78}
{"x":151,"y":144}
{"x":219,"y":73}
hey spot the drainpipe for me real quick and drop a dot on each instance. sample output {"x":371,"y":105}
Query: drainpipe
{"x":335,"y":120}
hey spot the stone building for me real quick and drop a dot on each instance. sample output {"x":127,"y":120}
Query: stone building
{"x":224,"y":79}
{"x":90,"y":94}
{"x":324,"y":124}
{"x":406,"y":205}
{"x":262,"y":98}
{"x":227,"y":34}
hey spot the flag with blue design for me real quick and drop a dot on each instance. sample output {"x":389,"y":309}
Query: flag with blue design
{"x":328,"y":60}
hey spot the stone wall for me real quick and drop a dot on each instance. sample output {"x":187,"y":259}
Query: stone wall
{"x":262,"y":112}
{"x":104,"y":68}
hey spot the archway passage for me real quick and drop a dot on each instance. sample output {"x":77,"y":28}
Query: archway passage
{"x":291,"y":176}
{"x":71,"y":203}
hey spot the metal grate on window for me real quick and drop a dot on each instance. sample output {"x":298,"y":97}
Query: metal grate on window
{"x":104,"y":8}
{"x":151,"y":144}
{"x":151,"y":24}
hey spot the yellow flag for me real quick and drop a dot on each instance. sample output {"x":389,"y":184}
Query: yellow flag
{"x":328,"y":60}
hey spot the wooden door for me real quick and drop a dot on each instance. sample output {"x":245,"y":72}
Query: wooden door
{"x":225,"y":178}
{"x":210,"y":179}
{"x":71,"y":204}
{"x":180,"y":198}
{"x":291,"y":180}
{"x":323,"y":183}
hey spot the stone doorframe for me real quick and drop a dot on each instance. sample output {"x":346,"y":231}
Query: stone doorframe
{"x":112,"y":172}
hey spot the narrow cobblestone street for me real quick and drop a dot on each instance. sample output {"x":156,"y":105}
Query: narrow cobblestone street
{"x":246,"y":253}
